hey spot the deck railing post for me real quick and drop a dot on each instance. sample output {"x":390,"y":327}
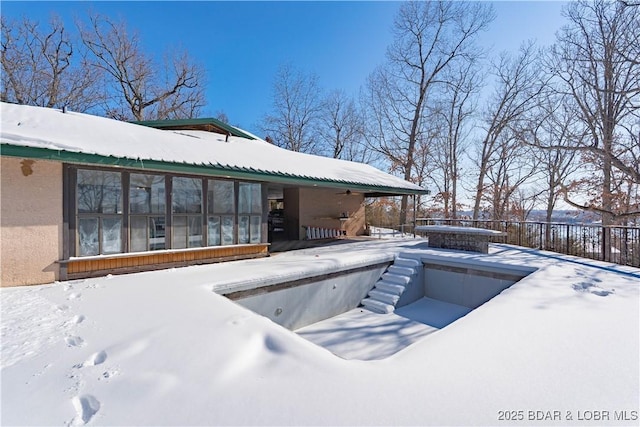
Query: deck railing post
{"x":606,"y":243}
{"x":540,"y":232}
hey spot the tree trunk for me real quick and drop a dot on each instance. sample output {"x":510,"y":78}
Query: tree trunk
{"x":480,"y":187}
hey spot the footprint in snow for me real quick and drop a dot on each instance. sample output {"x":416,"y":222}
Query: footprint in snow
{"x":96,"y":359}
{"x":593,"y":289}
{"x":93,"y":360}
{"x":273,"y":345}
{"x":582,"y":286}
{"x":74,"y":295}
{"x":86,"y":407}
{"x":74,"y":341}
{"x":106,"y":375}
{"x":78,"y":318}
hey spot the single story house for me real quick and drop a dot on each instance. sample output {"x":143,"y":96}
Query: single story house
{"x":85,"y":196}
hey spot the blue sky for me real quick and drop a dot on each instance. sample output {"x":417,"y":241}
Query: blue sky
{"x":241,"y":44}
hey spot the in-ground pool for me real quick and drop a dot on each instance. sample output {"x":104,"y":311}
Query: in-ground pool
{"x":327,"y":310}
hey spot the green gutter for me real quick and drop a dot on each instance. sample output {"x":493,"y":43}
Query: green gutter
{"x":185,"y":168}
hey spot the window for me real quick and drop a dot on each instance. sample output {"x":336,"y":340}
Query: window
{"x":147,"y":209}
{"x":99,"y":212}
{"x":220,"y":210}
{"x":249,"y":213}
{"x":113,"y":211}
{"x":187,"y":212}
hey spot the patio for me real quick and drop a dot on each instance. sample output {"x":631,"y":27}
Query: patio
{"x":162,"y":347}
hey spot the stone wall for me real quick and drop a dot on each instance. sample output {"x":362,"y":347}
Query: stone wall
{"x":459,"y":241}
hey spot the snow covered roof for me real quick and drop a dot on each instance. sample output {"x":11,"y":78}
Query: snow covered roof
{"x":37,"y":132}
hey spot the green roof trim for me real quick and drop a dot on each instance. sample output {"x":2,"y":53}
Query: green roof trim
{"x":204,"y":170}
{"x":185,"y":123}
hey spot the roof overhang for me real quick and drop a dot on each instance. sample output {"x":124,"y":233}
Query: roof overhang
{"x":78,"y":138}
{"x":211,"y":170}
{"x":205,"y":124}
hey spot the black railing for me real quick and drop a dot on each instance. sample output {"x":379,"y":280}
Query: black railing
{"x":617,"y":244}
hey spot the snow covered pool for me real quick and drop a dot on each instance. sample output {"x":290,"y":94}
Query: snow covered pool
{"x":164,"y":348}
{"x":335,"y":310}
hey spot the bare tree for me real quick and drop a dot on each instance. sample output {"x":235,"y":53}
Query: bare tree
{"x":42,"y":66}
{"x":509,"y":167}
{"x":453,"y":119}
{"x":296,"y":108}
{"x":523,"y":201}
{"x":554,"y":126}
{"x":423,"y":165}
{"x":597,"y":63}
{"x":428,"y":38}
{"x":341,"y":126}
{"x":516,"y":89}
{"x":222,"y":116}
{"x":140,"y":87}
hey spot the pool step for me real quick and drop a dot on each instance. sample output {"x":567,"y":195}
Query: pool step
{"x":378,"y":306}
{"x":400,"y":279}
{"x":387,"y":291}
{"x":383,"y":296}
{"x":390,"y":287}
{"x":400,"y":270}
{"x":407,"y":262}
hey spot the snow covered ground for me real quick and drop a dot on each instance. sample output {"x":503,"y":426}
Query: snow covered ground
{"x":365,"y":335}
{"x":560,"y":347}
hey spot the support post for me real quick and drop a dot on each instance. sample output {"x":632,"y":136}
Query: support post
{"x":414,"y":216}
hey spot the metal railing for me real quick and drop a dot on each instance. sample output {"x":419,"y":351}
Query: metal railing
{"x":617,"y":244}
